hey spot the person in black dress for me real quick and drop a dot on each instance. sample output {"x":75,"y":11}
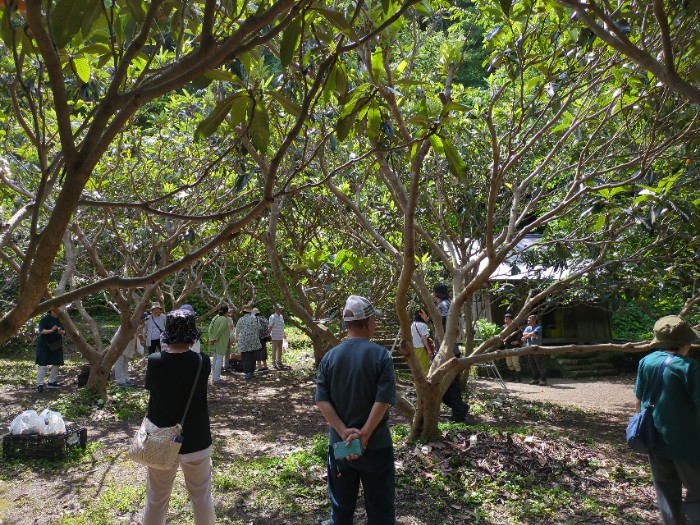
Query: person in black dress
{"x":49,"y":350}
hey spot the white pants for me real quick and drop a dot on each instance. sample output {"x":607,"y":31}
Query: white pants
{"x":41,"y":374}
{"x":121,"y":370}
{"x":277,"y":352}
{"x":159,"y":486}
{"x":217,"y":361}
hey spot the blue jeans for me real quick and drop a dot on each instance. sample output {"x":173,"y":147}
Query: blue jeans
{"x":375,"y":470}
{"x":669,"y":479}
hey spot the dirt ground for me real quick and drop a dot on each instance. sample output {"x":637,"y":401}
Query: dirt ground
{"x":255,"y":418}
{"x":614,"y":396}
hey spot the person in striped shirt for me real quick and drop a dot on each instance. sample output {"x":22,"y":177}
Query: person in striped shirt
{"x":276,"y":327}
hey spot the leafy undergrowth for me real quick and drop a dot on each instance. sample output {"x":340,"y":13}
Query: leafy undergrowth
{"x":523,"y":463}
{"x":486,"y":475}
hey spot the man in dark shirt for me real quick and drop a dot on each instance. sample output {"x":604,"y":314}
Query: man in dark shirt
{"x":354,"y":389}
{"x":453,"y":397}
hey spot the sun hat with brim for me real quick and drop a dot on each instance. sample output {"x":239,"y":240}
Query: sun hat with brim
{"x":673,"y":331}
{"x":255,"y":311}
{"x":180,"y":328}
{"x":248,"y":308}
{"x":189,"y":308}
{"x":156,"y":305}
{"x":358,"y":308}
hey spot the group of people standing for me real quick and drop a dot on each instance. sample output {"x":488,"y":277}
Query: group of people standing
{"x":169,"y":373}
{"x":425,"y":350}
{"x":247,"y":339}
{"x":250,"y":336}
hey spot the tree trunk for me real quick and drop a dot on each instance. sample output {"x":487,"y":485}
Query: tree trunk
{"x":322,"y":341}
{"x":425,"y":420}
{"x":98,"y":378}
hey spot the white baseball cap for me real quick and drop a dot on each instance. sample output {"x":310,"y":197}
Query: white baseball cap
{"x":357,"y":308}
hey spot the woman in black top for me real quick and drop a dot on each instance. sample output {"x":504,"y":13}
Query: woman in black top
{"x":49,"y":349}
{"x":170,"y":376}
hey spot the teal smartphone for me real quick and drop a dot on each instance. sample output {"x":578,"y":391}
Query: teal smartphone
{"x":341,"y":450}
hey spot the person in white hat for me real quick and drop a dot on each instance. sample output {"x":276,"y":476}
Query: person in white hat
{"x":155,"y":325}
{"x":675,"y":456}
{"x":248,"y":340}
{"x":354,"y":388}
{"x":276,"y":329}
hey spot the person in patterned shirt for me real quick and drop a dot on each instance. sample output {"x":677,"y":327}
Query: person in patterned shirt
{"x":248,"y":335}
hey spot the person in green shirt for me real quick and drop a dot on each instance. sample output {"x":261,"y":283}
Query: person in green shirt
{"x":675,"y":457}
{"x":219,"y":332}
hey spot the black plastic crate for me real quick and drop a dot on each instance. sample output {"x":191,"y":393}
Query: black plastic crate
{"x":55,"y":446}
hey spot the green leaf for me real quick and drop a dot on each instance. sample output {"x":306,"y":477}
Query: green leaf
{"x":600,"y":223}
{"x":67,"y":17}
{"x":82,"y":68}
{"x":137,"y":10}
{"x":242,"y":181}
{"x":330,"y":84}
{"x":374,"y":119}
{"x":357,"y":95}
{"x":210,"y":124}
{"x":344,"y":126}
{"x":290,"y":41}
{"x":437,"y":144}
{"x":455,"y":162}
{"x":90,"y":18}
{"x":290,"y":107}
{"x":337,"y":19}
{"x":453,"y":106}
{"x":239,"y":110}
{"x":6,"y":29}
{"x":95,"y":49}
{"x":259,"y":129}
{"x":377,"y":63}
{"x":341,"y":81}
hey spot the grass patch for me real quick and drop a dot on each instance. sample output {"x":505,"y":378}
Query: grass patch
{"x":112,"y":503}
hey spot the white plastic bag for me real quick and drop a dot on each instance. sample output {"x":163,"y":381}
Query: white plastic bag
{"x":28,"y":422}
{"x":53,"y":423}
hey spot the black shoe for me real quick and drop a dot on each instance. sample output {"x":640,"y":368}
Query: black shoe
{"x":534,"y":382}
{"x":53,"y":385}
{"x":248,"y":376}
{"x":39,"y":388}
{"x":543,"y":382}
{"x":466,"y":419}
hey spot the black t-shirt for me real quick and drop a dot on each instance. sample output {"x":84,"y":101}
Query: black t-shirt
{"x":169,"y":377}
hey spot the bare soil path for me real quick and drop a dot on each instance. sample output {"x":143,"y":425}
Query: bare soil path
{"x":613,"y":396}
